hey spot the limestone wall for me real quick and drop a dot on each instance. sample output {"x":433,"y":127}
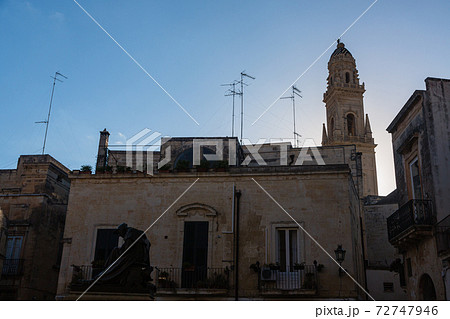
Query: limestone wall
{"x":323,"y":201}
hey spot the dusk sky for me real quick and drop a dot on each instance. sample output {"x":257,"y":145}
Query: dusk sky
{"x":191,"y":48}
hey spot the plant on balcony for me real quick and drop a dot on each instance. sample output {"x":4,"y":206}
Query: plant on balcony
{"x":255,"y":267}
{"x":123,"y":169}
{"x":182,"y":166}
{"x":165,"y":168}
{"x":320,"y":267}
{"x":187,"y":266}
{"x":298,"y":266}
{"x":86,"y":169}
{"x":204,"y":166}
{"x":221,"y":166}
{"x":275,"y":266}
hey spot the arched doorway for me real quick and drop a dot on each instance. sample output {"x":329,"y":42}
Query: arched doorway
{"x":426,"y":288}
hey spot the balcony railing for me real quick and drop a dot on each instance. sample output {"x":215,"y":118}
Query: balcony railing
{"x":443,"y":236}
{"x":416,"y":212}
{"x":84,"y":273}
{"x":12,"y":267}
{"x":168,"y":278}
{"x":290,"y":279}
{"x":192,"y":278}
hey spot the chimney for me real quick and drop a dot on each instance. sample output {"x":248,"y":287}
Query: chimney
{"x":102,"y":155}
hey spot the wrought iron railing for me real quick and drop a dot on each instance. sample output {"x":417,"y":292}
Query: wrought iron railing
{"x":192,"y":278}
{"x":84,"y":273}
{"x":443,"y":235}
{"x":12,"y":267}
{"x":302,"y":277}
{"x":414,"y":212}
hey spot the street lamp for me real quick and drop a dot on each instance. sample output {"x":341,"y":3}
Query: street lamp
{"x":340,"y":256}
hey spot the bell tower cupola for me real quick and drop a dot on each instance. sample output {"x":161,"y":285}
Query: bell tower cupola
{"x":346,"y":122}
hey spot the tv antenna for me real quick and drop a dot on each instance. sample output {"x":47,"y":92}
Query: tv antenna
{"x":243,"y":74}
{"x":232,"y":92}
{"x":55,"y":78}
{"x":295,"y":92}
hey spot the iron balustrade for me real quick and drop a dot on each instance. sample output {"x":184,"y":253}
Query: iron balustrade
{"x":302,"y":277}
{"x":84,"y":273}
{"x":12,"y":267}
{"x":191,"y":278}
{"x":414,"y":212}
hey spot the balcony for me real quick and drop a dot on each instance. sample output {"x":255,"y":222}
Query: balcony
{"x":192,"y":281}
{"x":12,"y":267}
{"x":295,"y":280}
{"x":168,"y":281}
{"x":443,"y":236}
{"x":411,"y":223}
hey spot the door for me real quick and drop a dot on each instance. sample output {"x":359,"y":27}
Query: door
{"x":195,"y":254}
{"x":106,"y":241}
{"x":288,"y":278}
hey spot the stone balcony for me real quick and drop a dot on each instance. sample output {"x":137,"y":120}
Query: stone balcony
{"x":411,"y":223}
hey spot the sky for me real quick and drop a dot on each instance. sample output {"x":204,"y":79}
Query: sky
{"x":192,"y":47}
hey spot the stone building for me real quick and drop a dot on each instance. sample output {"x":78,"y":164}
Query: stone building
{"x":382,"y":282}
{"x":225,"y":238}
{"x":420,"y":228}
{"x":33,"y":199}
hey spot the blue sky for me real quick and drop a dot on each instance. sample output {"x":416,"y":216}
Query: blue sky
{"x":191,"y":47}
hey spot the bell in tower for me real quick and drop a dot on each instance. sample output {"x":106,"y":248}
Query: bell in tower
{"x":347,"y":124}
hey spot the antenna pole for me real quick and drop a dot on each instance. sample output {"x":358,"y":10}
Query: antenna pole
{"x":293,"y":112}
{"x":55,"y":78}
{"x":295,"y":92}
{"x":242,"y":101}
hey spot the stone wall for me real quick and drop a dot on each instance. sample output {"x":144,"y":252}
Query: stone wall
{"x":322,"y":199}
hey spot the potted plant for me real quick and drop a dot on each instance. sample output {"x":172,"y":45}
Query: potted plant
{"x":221,"y":166}
{"x":298,"y":266}
{"x":275,"y":266}
{"x":204,"y":166}
{"x":165,"y":168}
{"x":86,"y":169}
{"x":182,"y":166}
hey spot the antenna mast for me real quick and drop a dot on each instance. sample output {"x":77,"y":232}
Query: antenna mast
{"x":55,"y":78}
{"x":242,"y":100}
{"x":295,"y":92}
{"x":232,"y":92}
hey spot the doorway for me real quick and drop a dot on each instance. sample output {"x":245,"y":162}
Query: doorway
{"x":195,"y":254}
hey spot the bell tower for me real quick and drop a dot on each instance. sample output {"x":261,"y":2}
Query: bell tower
{"x":347,"y":124}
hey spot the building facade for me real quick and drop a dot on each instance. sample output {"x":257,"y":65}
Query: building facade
{"x":33,"y":199}
{"x":420,"y":228}
{"x":225,"y":238}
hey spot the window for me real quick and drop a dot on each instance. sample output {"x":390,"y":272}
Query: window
{"x":331,"y":80}
{"x":416,"y":185}
{"x":351,"y":125}
{"x":12,"y":264}
{"x":331,"y":132}
{"x":388,"y":286}
{"x":105,"y":243}
{"x":13,"y":247}
{"x":288,"y":250}
{"x":347,"y":77}
{"x":409,"y":267}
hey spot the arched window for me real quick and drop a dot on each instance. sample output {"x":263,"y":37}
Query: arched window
{"x":347,"y":77}
{"x":351,"y":125}
{"x":331,"y":132}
